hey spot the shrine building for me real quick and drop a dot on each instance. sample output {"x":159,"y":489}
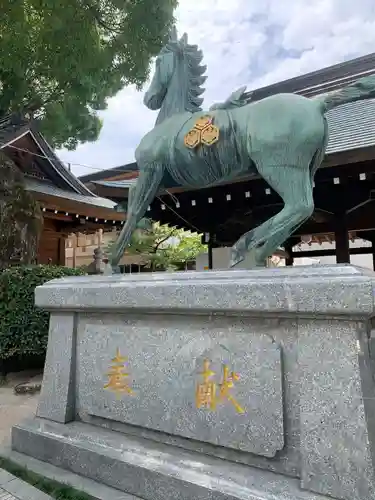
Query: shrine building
{"x":68,"y":206}
{"x":343,"y":222}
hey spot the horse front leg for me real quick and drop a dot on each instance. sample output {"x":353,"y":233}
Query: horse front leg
{"x":148,"y":182}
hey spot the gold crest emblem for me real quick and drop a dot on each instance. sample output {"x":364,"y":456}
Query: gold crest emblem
{"x":192,"y":138}
{"x":203,"y":122}
{"x":210,"y":135}
{"x":203,"y":132}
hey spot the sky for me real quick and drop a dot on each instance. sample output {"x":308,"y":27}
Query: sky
{"x":245,"y":42}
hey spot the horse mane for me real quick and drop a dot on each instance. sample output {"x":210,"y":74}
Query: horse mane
{"x":235,"y":100}
{"x":194,"y":70}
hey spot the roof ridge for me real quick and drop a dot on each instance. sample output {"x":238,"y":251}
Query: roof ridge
{"x":323,"y":77}
{"x":58,"y":165}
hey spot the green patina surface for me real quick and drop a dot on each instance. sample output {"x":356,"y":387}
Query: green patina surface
{"x":282,"y":137}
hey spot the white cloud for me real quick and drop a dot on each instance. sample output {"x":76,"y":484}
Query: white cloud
{"x":244,"y":42}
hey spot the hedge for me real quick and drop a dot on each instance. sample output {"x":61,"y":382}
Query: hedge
{"x":23,"y":327}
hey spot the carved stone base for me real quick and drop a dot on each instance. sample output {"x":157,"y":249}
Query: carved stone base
{"x":227,"y":385}
{"x":151,"y":471}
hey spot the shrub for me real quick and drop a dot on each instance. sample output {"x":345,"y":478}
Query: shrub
{"x":23,"y":327}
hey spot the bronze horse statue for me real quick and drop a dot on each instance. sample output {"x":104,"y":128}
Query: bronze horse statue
{"x":282,"y":138}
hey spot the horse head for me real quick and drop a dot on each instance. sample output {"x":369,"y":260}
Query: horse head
{"x":176,"y":84}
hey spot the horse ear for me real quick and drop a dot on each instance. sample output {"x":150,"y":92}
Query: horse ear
{"x":173,"y":34}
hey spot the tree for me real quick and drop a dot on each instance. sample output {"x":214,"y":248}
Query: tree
{"x":61,"y":60}
{"x":164,"y":248}
{"x":188,"y":247}
{"x":21,"y":219}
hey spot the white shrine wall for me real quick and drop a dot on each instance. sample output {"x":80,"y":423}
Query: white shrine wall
{"x":221,"y":256}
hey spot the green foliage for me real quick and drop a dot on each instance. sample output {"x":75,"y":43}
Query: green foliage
{"x":162,"y":247}
{"x":23,"y":327}
{"x":49,"y":486}
{"x":187,"y":249}
{"x":21,"y":220}
{"x":61,"y":60}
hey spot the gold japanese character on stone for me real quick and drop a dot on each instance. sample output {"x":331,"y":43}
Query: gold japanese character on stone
{"x":117,"y":376}
{"x":209,"y":393}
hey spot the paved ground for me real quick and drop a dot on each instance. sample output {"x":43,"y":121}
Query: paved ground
{"x":12,"y":488}
{"x":14,"y":409}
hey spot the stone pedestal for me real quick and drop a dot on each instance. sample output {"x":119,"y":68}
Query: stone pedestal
{"x":226,"y":385}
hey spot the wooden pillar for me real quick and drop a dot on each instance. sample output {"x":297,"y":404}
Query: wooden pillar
{"x":74,"y":249}
{"x":342,"y":240}
{"x":208,"y":239}
{"x":289,"y":259}
{"x":61,"y":250}
{"x":210,"y":255}
{"x":373,"y":253}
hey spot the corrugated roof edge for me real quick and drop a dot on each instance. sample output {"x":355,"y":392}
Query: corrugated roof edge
{"x":15,"y":125}
{"x":58,"y":165}
{"x":44,"y":188}
{"x":121,"y":183}
{"x":130,"y":167}
{"x":319,"y":81}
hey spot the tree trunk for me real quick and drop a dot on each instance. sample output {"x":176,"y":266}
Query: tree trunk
{"x":21,"y":220}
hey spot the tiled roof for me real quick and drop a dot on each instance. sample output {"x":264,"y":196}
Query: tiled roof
{"x":351,"y":126}
{"x":45,"y":188}
{"x":11,"y":126}
{"x":125,"y":183}
{"x":109,"y":172}
{"x":14,"y":126}
{"x":59,"y":166}
{"x":323,"y":80}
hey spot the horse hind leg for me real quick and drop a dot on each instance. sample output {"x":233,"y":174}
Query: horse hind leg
{"x":293,"y":184}
{"x":140,"y":197}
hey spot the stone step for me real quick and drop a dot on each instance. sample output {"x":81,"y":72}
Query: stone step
{"x":150,"y":470}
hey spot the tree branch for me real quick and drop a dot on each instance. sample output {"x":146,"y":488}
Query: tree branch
{"x":162,"y":241}
{"x":35,"y":105}
{"x":98,"y":19}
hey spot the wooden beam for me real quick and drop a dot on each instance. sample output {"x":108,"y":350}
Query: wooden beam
{"x":60,"y":217}
{"x":330,"y":252}
{"x":353,"y":223}
{"x":341,"y":159}
{"x":74,"y":207}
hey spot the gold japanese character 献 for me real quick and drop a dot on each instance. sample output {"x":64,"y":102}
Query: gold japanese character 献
{"x":209,"y":393}
{"x":206,"y":391}
{"x":117,"y":376}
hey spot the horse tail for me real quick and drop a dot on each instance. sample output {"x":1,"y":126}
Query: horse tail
{"x":140,"y":197}
{"x":364,"y":88}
